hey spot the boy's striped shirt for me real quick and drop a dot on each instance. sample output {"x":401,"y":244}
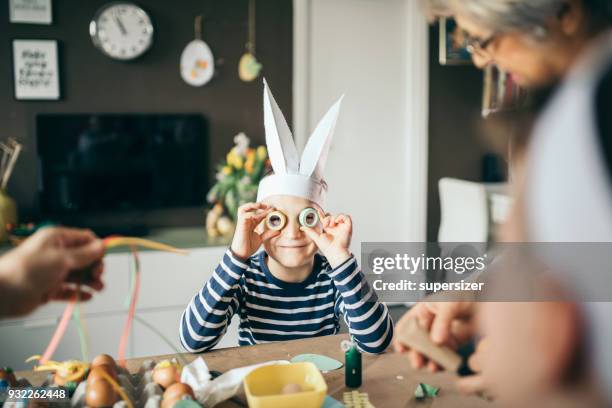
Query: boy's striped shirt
{"x":273,"y":310}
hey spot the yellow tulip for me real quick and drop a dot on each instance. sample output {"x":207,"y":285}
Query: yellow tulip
{"x":227,"y":170}
{"x":238,"y":162}
{"x":262,"y":153}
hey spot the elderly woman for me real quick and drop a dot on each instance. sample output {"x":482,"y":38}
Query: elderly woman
{"x":540,"y":43}
{"x":535,"y":41}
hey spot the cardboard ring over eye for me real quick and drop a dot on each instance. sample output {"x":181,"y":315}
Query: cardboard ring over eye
{"x":309,"y":217}
{"x":276,"y":221}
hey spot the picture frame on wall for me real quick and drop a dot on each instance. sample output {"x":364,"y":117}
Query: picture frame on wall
{"x":30,"y":11}
{"x":452,"y":44}
{"x":36,"y":70}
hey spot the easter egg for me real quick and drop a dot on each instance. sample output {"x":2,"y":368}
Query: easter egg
{"x":175,"y":393}
{"x":100,"y":393}
{"x":166,"y":373}
{"x":291,"y":389}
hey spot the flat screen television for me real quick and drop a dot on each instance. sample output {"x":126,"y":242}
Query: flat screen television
{"x":103,"y":163}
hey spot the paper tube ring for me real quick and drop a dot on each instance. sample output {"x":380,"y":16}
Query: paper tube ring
{"x":276,"y":221}
{"x":309,"y":217}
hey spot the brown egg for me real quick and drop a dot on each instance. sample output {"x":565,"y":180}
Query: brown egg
{"x":175,"y":393}
{"x":104,"y":359}
{"x":100,"y":393}
{"x":166,"y":373}
{"x":8,"y":375}
{"x":95,"y":373}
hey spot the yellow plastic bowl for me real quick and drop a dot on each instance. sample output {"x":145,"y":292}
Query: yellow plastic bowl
{"x":264,"y":385}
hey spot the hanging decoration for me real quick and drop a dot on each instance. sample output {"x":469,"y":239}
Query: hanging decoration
{"x":197,"y":61}
{"x":248,"y":67}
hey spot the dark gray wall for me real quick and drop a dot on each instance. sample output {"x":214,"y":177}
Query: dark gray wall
{"x":91,"y":82}
{"x":455,"y":145}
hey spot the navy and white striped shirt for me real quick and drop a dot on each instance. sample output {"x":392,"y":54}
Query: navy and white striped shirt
{"x":273,"y":310}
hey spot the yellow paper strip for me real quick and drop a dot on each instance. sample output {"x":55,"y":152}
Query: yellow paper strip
{"x":112,"y":242}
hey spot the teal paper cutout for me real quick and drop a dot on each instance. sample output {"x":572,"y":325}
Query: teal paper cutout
{"x":323,"y":363}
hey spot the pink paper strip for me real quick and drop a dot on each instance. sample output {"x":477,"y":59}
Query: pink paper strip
{"x":59,"y":332}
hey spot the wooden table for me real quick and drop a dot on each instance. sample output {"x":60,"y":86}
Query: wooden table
{"x":387,"y":378}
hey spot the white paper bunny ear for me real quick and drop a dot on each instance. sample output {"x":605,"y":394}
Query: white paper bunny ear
{"x":293,"y":177}
{"x":316,"y":151}
{"x":281,"y":147}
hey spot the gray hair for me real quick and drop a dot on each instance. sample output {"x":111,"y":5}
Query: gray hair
{"x":528,"y":16}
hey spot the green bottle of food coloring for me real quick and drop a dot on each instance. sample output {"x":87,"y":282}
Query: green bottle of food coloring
{"x":352,"y":365}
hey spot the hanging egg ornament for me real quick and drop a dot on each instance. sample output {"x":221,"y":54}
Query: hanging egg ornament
{"x":248,"y":67}
{"x":197,"y":61}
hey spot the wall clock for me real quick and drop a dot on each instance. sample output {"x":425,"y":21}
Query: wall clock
{"x":121,"y":30}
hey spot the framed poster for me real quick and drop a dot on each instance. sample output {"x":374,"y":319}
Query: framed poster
{"x":36,"y":70}
{"x":452,"y":45}
{"x":30,"y":11}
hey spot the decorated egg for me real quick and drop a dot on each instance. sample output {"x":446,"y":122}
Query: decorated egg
{"x":248,"y":67}
{"x":166,"y":373}
{"x":197,"y":63}
{"x":175,"y":393}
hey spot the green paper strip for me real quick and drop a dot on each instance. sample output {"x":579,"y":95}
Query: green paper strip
{"x":78,"y":321}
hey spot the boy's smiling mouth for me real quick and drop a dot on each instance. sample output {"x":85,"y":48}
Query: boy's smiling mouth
{"x":292,"y":246}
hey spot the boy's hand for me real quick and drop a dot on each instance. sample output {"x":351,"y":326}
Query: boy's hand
{"x":246,"y":241}
{"x":335,"y":238}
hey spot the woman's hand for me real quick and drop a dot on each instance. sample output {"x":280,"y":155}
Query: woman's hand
{"x":246,"y":241}
{"x":449,"y":323}
{"x":47,"y":266}
{"x":335,"y":238}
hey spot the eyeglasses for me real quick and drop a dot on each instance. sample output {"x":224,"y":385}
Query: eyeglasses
{"x":476,"y":45}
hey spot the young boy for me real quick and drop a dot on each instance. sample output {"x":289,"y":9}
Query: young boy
{"x":289,"y":290}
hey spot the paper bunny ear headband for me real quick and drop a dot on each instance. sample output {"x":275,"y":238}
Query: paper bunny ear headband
{"x":292,"y":176}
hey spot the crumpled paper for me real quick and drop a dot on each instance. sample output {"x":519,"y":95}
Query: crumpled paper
{"x":211,"y":392}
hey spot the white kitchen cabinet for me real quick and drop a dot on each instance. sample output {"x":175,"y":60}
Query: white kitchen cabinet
{"x":116,"y":280}
{"x":171,"y":280}
{"x":24,"y":339}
